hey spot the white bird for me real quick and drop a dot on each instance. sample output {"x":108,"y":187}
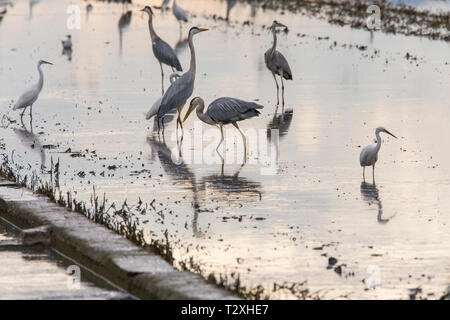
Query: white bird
{"x":179,"y":13}
{"x":155,"y":107}
{"x":67,"y":44}
{"x":369,"y":155}
{"x":31,"y":95}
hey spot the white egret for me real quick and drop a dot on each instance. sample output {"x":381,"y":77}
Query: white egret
{"x":31,"y":95}
{"x":369,"y":155}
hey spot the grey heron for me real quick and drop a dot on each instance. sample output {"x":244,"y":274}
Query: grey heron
{"x":224,"y":111}
{"x":67,"y":44}
{"x":179,"y":13}
{"x":369,"y":155}
{"x":31,"y":95}
{"x":179,"y":91}
{"x":276,"y":62}
{"x":164,"y":5}
{"x":155,"y":107}
{"x":161,"y":49}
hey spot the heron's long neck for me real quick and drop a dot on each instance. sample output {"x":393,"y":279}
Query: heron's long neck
{"x":150,"y":27}
{"x":378,"y":146}
{"x":201,"y":115}
{"x":41,"y":77}
{"x":192,"y":67}
{"x":274,"y":46}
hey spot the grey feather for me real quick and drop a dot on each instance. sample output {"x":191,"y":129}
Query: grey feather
{"x":226,"y":110}
{"x":278,"y":64}
{"x":165,"y":54}
{"x":177,"y":94}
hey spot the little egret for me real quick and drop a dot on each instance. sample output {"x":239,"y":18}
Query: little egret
{"x":224,"y":111}
{"x":155,"y":107}
{"x":67,"y":44}
{"x":277,"y":63}
{"x":161,"y":49}
{"x":179,"y":91}
{"x":31,"y":95}
{"x":369,"y":155}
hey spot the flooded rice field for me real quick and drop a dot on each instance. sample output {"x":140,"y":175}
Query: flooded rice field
{"x":296,"y":220}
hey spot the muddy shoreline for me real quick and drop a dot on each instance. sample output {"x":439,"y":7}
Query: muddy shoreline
{"x":395,"y":18}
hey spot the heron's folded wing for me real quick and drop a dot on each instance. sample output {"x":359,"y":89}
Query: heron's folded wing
{"x":177,"y":94}
{"x":164,"y":52}
{"x":231,"y":109}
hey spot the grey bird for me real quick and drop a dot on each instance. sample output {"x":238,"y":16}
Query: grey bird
{"x":276,"y":62}
{"x":224,"y":111}
{"x":161,"y":49}
{"x":179,"y":91}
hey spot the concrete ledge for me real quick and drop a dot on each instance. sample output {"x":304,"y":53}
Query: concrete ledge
{"x":141,"y":273}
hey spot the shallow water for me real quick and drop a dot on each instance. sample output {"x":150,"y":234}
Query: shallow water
{"x":267,"y":226}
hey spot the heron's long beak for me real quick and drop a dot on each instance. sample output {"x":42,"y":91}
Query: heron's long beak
{"x":203,"y":29}
{"x":282,"y":25}
{"x":390,"y":133}
{"x":191,"y":108}
{"x":47,"y":62}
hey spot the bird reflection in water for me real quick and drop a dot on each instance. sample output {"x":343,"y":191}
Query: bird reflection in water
{"x":68,"y":53}
{"x":280,"y":122}
{"x":31,"y":141}
{"x":32,"y":3}
{"x":124,"y":22}
{"x":371,"y":195}
{"x":222,"y":187}
{"x":180,"y":173}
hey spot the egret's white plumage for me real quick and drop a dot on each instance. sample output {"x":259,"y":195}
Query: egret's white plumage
{"x":155,"y":107}
{"x":369,"y":155}
{"x":67,"y":44}
{"x":31,"y":95}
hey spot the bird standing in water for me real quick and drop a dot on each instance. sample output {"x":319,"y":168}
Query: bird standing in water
{"x":277,"y":63}
{"x":369,"y":155}
{"x":179,"y":91}
{"x":224,"y":111}
{"x":179,"y":13}
{"x":32,"y":94}
{"x":161,"y":49}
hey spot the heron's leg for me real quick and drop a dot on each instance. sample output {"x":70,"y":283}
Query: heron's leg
{"x":278,"y":89}
{"x":373,"y":174}
{"x":282,"y":90}
{"x":221,"y":139}
{"x":21,"y":115}
{"x":243,"y":139}
{"x":364,"y":173}
{"x":162,"y":77}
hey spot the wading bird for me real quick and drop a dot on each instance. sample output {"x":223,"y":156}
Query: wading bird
{"x":277,"y":63}
{"x":179,"y":13}
{"x":224,"y":111}
{"x":179,"y":91}
{"x":31,"y":95}
{"x":369,"y":155}
{"x":161,"y":49}
{"x":67,"y":44}
{"x":164,"y":5}
{"x":155,"y":107}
